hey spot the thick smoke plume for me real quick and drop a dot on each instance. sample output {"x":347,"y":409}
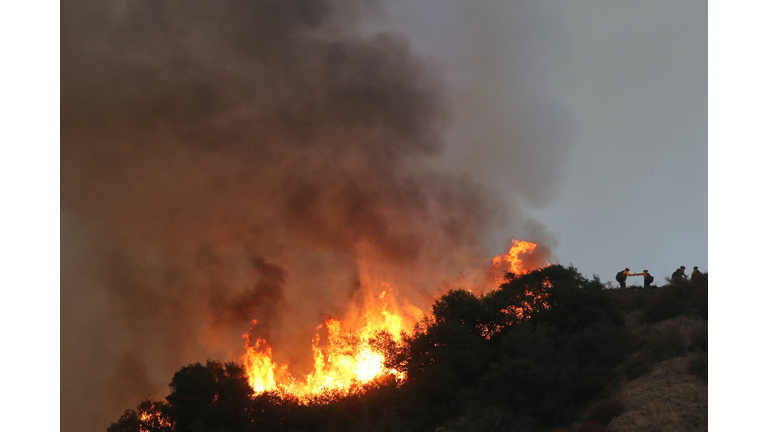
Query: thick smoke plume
{"x":224,"y":161}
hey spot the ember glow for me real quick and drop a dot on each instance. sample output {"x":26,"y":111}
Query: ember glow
{"x":151,"y":420}
{"x":345,"y":358}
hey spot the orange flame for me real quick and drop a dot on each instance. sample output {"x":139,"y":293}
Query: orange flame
{"x":345,"y":362}
{"x":512,"y":258}
{"x":152,"y":421}
{"x":259,"y":366}
{"x":347,"y":359}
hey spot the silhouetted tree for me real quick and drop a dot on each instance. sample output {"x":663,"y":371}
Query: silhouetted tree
{"x":526,"y":356}
{"x":128,"y":422}
{"x":210,"y":396}
{"x":150,"y":416}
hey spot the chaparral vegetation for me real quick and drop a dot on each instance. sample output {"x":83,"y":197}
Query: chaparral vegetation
{"x":548,"y":350}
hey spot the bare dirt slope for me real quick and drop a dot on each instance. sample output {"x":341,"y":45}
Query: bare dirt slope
{"x":670,"y":397}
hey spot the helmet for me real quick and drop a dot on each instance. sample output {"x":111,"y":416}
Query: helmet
{"x":627,"y":269}
{"x":695,"y":267}
{"x":682,"y":267}
{"x":645,"y":271}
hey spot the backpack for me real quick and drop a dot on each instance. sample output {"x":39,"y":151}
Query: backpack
{"x":650,"y":278}
{"x":620,"y":276}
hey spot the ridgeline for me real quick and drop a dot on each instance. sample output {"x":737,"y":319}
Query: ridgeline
{"x":549,"y":351}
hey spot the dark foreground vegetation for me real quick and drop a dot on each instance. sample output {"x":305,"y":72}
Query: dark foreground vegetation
{"x":476,"y":366}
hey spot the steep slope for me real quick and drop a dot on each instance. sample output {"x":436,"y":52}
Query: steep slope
{"x":662,"y":385}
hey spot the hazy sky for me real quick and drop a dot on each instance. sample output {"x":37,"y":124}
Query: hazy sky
{"x":274,"y":161}
{"x":627,"y":81}
{"x":624,"y":90}
{"x":221,"y":162}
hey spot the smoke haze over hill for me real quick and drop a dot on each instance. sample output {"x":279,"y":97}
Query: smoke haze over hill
{"x":231,"y":160}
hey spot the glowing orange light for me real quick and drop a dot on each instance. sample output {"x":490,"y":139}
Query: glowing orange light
{"x":511,"y":261}
{"x":346,"y":359}
{"x":345,"y":362}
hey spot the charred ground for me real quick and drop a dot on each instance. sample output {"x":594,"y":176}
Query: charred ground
{"x":576,"y":356}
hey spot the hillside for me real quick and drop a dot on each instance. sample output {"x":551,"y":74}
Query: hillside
{"x":548,"y":351}
{"x":662,"y":385}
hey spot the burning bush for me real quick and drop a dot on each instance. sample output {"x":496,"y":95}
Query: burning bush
{"x":539,"y":346}
{"x":529,"y":354}
{"x":150,"y":416}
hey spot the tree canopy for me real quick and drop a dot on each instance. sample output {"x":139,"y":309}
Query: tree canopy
{"x":528,"y":355}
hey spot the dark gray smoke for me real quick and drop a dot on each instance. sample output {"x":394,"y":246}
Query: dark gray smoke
{"x":229,"y":160}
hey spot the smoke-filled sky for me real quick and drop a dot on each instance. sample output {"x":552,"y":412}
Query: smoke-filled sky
{"x":236,"y":160}
{"x":229,"y":160}
{"x":592,"y":116}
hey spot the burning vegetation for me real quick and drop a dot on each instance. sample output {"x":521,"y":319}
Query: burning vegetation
{"x":269,"y":168}
{"x":351,"y":354}
{"x":529,"y":353}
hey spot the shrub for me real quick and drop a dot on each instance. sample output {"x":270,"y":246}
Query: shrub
{"x":211,"y":396}
{"x":699,"y":338}
{"x":667,"y":303}
{"x":150,"y":416}
{"x":628,"y":300}
{"x":592,"y":426}
{"x":488,"y":418}
{"x":701,"y":281}
{"x":526,"y":356}
{"x":638,"y":365}
{"x":665,"y":344}
{"x":699,"y":296}
{"x":697,"y":365}
{"x":606,"y":410}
